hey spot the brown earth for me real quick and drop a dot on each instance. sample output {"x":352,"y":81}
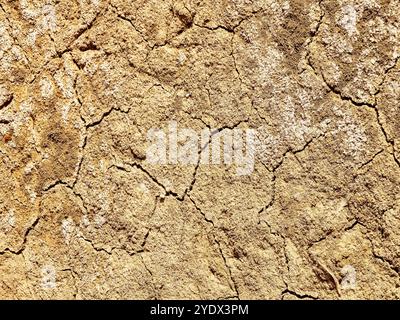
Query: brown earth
{"x":84,"y":215}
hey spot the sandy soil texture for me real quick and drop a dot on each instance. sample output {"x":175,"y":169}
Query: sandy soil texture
{"x":276,"y":127}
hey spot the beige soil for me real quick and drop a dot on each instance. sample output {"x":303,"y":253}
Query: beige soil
{"x":84,"y":215}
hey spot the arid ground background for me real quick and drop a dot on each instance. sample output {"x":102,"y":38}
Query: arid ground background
{"x":85,"y":215}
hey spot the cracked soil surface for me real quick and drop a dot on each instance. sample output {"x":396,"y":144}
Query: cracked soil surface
{"x":84,"y":215}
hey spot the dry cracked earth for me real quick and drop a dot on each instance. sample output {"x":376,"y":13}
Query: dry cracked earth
{"x":84,"y":215}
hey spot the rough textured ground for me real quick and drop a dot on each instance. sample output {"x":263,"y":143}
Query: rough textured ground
{"x":85,"y":216}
